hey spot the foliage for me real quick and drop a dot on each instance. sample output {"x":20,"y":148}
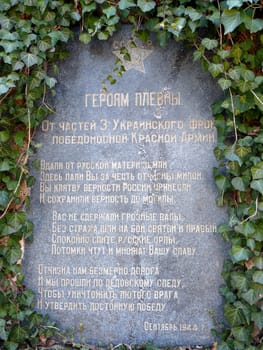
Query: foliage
{"x":227,"y":37}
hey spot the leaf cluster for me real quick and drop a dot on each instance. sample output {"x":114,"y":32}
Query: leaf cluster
{"x":227,"y":40}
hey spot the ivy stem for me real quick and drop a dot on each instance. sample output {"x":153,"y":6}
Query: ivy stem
{"x":254,"y":214}
{"x":234,"y":116}
{"x":256,"y":96}
{"x":220,"y":27}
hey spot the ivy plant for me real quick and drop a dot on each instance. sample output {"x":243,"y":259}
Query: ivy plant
{"x":227,"y":39}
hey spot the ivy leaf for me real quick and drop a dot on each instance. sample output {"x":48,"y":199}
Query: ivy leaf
{"x":234,"y":315}
{"x":215,"y":69}
{"x":223,"y":346}
{"x":4,"y":199}
{"x":257,"y":171}
{"x":146,"y":5}
{"x":224,"y":83}
{"x":177,"y":26}
{"x":231,"y":19}
{"x":257,"y":185}
{"x":3,"y":334}
{"x":253,"y":25}
{"x":258,"y":262}
{"x":251,"y":296}
{"x":4,"y":135}
{"x":193,"y":13}
{"x":14,"y":254}
{"x":234,"y":3}
{"x":239,"y":253}
{"x":247,"y":229}
{"x":209,"y":44}
{"x":84,"y":38}
{"x":51,"y":82}
{"x":6,"y":165}
{"x":238,"y":184}
{"x":109,"y":11}
{"x":239,"y":281}
{"x":29,"y":59}
{"x":241,"y":333}
{"x":258,"y":277}
{"x":257,"y":317}
{"x":125,"y":4}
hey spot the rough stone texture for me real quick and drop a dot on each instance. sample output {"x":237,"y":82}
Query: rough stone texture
{"x":140,"y":156}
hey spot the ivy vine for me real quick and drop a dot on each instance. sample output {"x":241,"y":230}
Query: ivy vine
{"x":228,"y":41}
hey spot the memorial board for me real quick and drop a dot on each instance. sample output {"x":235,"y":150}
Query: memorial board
{"x":125,"y":247}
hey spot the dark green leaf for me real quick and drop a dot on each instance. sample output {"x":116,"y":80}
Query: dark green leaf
{"x":29,"y":59}
{"x":224,"y":83}
{"x":209,"y":44}
{"x":4,"y":135}
{"x":251,"y":296}
{"x":247,"y":229}
{"x":240,"y":254}
{"x":234,"y":315}
{"x":231,"y":19}
{"x":146,"y":5}
{"x":257,"y":317}
{"x":84,"y":38}
{"x":257,"y":171}
{"x":238,"y":184}
{"x":257,"y":185}
{"x":239,"y":281}
{"x":4,"y":199}
{"x":258,"y":277}
{"x":125,"y":4}
{"x":241,"y":333}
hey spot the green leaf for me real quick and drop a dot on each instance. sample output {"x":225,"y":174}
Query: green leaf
{"x":241,"y":333}
{"x":234,"y":3}
{"x":110,"y":11}
{"x":239,"y":281}
{"x":4,"y":135}
{"x":84,"y":38}
{"x":125,"y":4}
{"x":239,"y":253}
{"x":18,"y":334}
{"x":146,"y":5}
{"x":29,"y":59}
{"x":258,"y":277}
{"x":247,"y":229}
{"x":6,"y":165}
{"x":3,"y":333}
{"x":251,"y":296}
{"x":215,"y":69}
{"x":4,"y":199}
{"x":14,"y":254}
{"x":223,"y":346}
{"x":51,"y":82}
{"x":224,"y":83}
{"x":16,"y":220}
{"x":177,"y":26}
{"x":257,"y":317}
{"x":257,"y":185}
{"x":19,"y":138}
{"x":234,"y":315}
{"x":193,"y":13}
{"x":258,"y":262}
{"x":238,"y":184}
{"x":257,"y":171}
{"x":234,"y":73}
{"x":209,"y":44}
{"x":231,"y":19}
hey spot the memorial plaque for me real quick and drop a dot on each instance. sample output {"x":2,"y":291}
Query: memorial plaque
{"x":125,"y":247}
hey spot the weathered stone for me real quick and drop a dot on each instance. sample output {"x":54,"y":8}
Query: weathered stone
{"x":126,"y":249}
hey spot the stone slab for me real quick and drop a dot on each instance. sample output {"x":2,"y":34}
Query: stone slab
{"x":125,"y":247}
